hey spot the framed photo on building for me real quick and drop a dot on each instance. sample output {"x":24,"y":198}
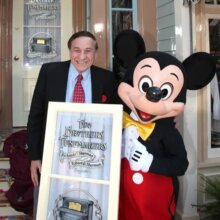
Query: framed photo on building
{"x":81,"y":162}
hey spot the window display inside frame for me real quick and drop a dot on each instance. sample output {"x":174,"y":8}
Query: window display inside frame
{"x":81,"y":162}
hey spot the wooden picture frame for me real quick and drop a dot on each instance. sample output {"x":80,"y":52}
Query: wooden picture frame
{"x":81,"y":162}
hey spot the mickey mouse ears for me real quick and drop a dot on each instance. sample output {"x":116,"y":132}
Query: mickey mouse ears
{"x":200,"y":68}
{"x":128,"y":45}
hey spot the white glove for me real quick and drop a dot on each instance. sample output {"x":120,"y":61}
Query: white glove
{"x":140,"y":159}
{"x":128,"y":135}
{"x":131,"y":132}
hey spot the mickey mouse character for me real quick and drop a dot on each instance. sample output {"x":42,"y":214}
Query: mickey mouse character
{"x":154,"y":155}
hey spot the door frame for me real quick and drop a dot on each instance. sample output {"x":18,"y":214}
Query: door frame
{"x":5,"y":65}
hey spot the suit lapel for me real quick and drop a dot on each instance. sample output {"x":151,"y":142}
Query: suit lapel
{"x":63,"y":80}
{"x":96,"y":87}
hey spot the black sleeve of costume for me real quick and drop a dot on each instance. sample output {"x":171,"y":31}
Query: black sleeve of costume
{"x":170,"y":156}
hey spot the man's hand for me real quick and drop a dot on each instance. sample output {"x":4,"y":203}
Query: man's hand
{"x":35,"y":171}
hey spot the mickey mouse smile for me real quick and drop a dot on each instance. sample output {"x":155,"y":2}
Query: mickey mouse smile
{"x":145,"y":117}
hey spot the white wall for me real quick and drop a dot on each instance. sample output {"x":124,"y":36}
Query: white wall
{"x":166,"y":26}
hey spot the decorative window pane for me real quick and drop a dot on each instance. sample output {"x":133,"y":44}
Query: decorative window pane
{"x":80,"y":167}
{"x":121,"y":3}
{"x":42,"y":31}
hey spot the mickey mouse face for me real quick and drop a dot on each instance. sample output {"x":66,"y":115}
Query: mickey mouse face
{"x":155,"y":86}
{"x":153,"y":92}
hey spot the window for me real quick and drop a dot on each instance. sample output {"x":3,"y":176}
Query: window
{"x":214,"y":44}
{"x":42,"y":32}
{"x":122,"y":16}
{"x":213,"y":41}
{"x":81,"y":165}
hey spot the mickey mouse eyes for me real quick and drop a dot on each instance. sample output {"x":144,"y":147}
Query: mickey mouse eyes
{"x":144,"y":84}
{"x":166,"y":90}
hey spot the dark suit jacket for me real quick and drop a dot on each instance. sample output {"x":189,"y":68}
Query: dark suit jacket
{"x":51,"y":86}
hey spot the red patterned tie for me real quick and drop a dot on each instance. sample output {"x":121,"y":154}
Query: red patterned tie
{"x":78,"y":92}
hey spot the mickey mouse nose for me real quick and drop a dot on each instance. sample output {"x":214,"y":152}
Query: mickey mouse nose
{"x":153,"y":94}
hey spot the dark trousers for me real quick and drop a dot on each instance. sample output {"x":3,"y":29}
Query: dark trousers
{"x":36,"y":193}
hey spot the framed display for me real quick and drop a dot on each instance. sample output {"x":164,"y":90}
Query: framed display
{"x":81,"y":162}
{"x":42,"y":31}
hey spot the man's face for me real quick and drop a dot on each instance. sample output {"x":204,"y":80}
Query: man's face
{"x":82,"y":53}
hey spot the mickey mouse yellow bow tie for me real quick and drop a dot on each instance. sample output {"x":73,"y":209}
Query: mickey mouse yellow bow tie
{"x":144,"y":130}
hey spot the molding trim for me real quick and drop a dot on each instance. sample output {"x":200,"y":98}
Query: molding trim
{"x":180,"y":216}
{"x":79,"y":15}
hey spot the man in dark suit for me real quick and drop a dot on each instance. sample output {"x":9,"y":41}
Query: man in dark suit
{"x":56,"y":82}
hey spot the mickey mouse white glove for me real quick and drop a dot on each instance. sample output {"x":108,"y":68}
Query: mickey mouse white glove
{"x":129,"y":134}
{"x":140,"y":159}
